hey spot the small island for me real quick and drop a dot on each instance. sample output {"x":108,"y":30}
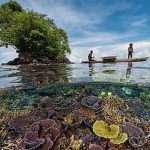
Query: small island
{"x":34,"y":36}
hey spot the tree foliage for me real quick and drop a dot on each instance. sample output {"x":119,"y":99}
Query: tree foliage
{"x":30,"y":31}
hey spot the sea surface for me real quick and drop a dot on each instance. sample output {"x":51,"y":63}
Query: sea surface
{"x":29,"y":75}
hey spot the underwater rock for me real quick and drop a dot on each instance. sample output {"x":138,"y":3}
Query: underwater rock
{"x":135,"y":134}
{"x":42,"y":134}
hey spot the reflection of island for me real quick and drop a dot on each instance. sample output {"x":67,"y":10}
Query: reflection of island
{"x":32,"y":75}
{"x":128,"y":72}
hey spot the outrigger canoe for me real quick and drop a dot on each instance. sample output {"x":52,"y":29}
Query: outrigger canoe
{"x":113,"y":59}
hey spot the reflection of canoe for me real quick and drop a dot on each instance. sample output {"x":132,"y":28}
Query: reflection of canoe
{"x":119,"y":60}
{"x":102,"y":77}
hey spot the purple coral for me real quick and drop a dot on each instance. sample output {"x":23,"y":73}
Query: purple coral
{"x":91,"y":102}
{"x":135,"y":134}
{"x":89,"y":138}
{"x":43,"y":134}
{"x":94,"y":147}
{"x":76,"y":118}
{"x":20,"y":123}
{"x":113,"y":148}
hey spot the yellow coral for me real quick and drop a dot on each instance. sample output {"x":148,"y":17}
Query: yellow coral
{"x":69,"y":119}
{"x":101,"y":94}
{"x":111,"y":132}
{"x":121,"y":138}
{"x":109,"y":93}
{"x":101,"y":128}
{"x":75,"y":144}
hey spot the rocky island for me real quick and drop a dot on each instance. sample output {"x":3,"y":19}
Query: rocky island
{"x":35,"y":36}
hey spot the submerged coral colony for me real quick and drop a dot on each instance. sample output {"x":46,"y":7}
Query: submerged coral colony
{"x":86,"y":122}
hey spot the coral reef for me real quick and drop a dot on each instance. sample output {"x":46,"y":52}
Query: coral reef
{"x":94,"y":147}
{"x":109,"y":110}
{"x":75,"y":117}
{"x":43,"y":134}
{"x":135,"y":134}
{"x":20,"y":123}
{"x":102,"y":129}
{"x":121,"y":138}
{"x":111,"y":132}
{"x":75,"y":144}
{"x":92,"y":102}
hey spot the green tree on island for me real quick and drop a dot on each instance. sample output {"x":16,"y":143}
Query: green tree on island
{"x":34,"y":35}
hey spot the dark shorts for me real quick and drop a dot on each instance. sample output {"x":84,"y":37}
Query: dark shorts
{"x":129,"y":53}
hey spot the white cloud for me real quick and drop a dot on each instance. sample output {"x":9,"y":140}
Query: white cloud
{"x":139,"y":22}
{"x":75,"y":18}
{"x":7,"y":54}
{"x":141,"y":49}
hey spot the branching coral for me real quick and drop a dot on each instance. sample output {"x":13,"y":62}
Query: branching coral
{"x":110,"y":109}
{"x":75,"y":144}
{"x":88,"y":114}
{"x":77,"y":116}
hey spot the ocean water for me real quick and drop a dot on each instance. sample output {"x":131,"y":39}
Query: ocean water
{"x":135,"y":73}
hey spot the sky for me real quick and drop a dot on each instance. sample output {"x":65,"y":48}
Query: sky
{"x":104,"y":26}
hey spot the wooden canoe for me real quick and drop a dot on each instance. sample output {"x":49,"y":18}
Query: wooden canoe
{"x":119,"y":60}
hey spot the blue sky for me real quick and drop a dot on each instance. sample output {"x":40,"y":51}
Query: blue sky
{"x":106,"y":26}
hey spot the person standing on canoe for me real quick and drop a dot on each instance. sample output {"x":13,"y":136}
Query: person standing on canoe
{"x":90,"y":58}
{"x":130,"y":50}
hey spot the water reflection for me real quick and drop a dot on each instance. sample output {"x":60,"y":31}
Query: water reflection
{"x":128,"y":73}
{"x":52,"y":74}
{"x":91,"y":69}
